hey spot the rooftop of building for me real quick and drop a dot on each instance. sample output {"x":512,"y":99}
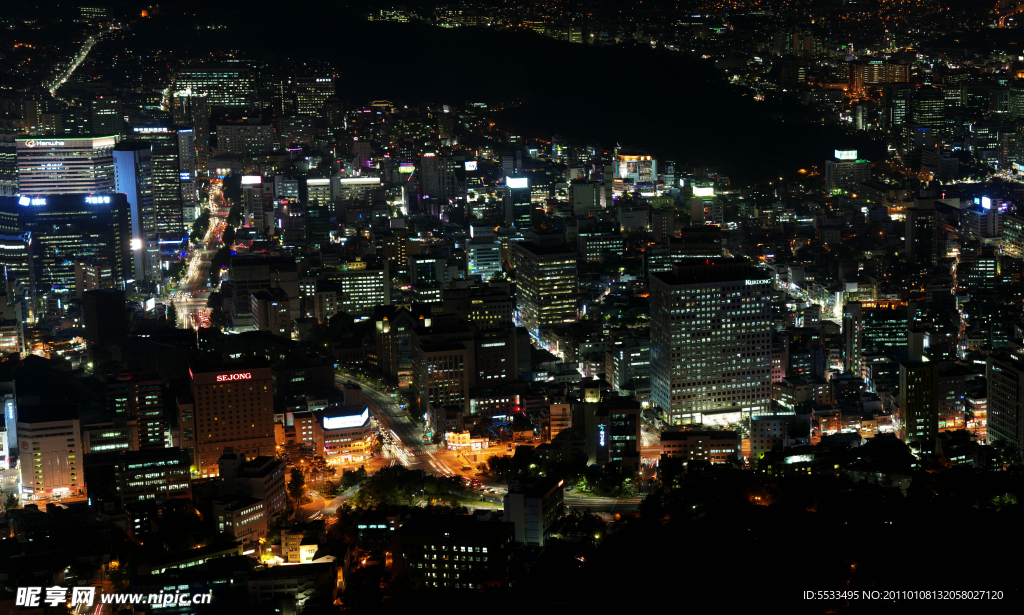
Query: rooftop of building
{"x":699,"y":433}
{"x":704,"y":270}
{"x":442,"y":347}
{"x":292,"y":571}
{"x":239,"y":504}
{"x":536,"y":250}
{"x":258,"y":467}
{"x":47,"y":413}
{"x":176,"y":557}
{"x":133,"y":377}
{"x":153,"y":454}
{"x":454,"y":526}
{"x":534,"y":487}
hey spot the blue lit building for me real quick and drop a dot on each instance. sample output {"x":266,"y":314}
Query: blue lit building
{"x":68,"y":227}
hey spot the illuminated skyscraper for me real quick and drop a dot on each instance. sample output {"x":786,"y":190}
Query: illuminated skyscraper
{"x":518,"y":202}
{"x":245,"y":139}
{"x":484,"y":258}
{"x":223,"y":86}
{"x":711,"y":341}
{"x":305,"y":95}
{"x":706,"y":209}
{"x":133,"y":177}
{"x":68,"y":227}
{"x":641,"y":169}
{"x":70,"y":165}
{"x":1005,"y":375}
{"x":845,"y":170}
{"x":874,"y":327}
{"x":547,"y":285}
{"x":138,"y":397}
{"x":931,"y":399}
{"x":928,"y":108}
{"x":443,"y":182}
{"x":246,"y":395}
{"x":167,"y":202}
{"x":1016,"y":102}
{"x":194,"y":112}
{"x":896,"y":101}
{"x":106,"y":116}
{"x":8,"y":165}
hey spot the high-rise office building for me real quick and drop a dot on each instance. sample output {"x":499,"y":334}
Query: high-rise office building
{"x":1004,"y":373}
{"x":1016,"y":99}
{"x":535,"y":506}
{"x":70,"y":165}
{"x":103,"y":316}
{"x":320,"y":189}
{"x":931,"y":399}
{"x":711,"y":341}
{"x":244,"y":139}
{"x":106,"y":116}
{"x":8,"y":165}
{"x":138,"y":397}
{"x":877,"y":72}
{"x":443,"y":181}
{"x":356,"y":291}
{"x":1013,"y":236}
{"x":587,"y":197}
{"x":305,"y":95}
{"x":16,"y":261}
{"x":706,"y":209}
{"x":896,"y":103}
{"x":187,"y":158}
{"x":641,"y":169}
{"x":133,"y":177}
{"x":223,"y":86}
{"x":194,"y":112}
{"x":51,"y":451}
{"x":70,"y":226}
{"x":442,"y":373}
{"x":518,"y":202}
{"x":483,"y":258}
{"x":76,"y":121}
{"x":187,"y":171}
{"x":920,"y":232}
{"x":92,"y":274}
{"x":845,"y":169}
{"x":167,"y":203}
{"x":548,"y":285}
{"x":874,"y":327}
{"x":928,"y":108}
{"x":232,"y":409}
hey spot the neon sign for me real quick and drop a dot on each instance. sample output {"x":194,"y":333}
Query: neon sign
{"x":600,"y":436}
{"x":228,"y":377}
{"x":97,"y":200}
{"x":754,"y":282}
{"x":347,"y":422}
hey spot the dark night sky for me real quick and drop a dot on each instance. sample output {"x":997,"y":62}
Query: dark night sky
{"x":679,"y":108}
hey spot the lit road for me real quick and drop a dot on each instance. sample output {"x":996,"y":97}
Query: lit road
{"x":604,"y":504}
{"x":313,"y":510}
{"x":332,"y":507}
{"x":407,"y":445}
{"x":192,"y":294}
{"x":409,"y":450}
{"x":83,"y":53}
